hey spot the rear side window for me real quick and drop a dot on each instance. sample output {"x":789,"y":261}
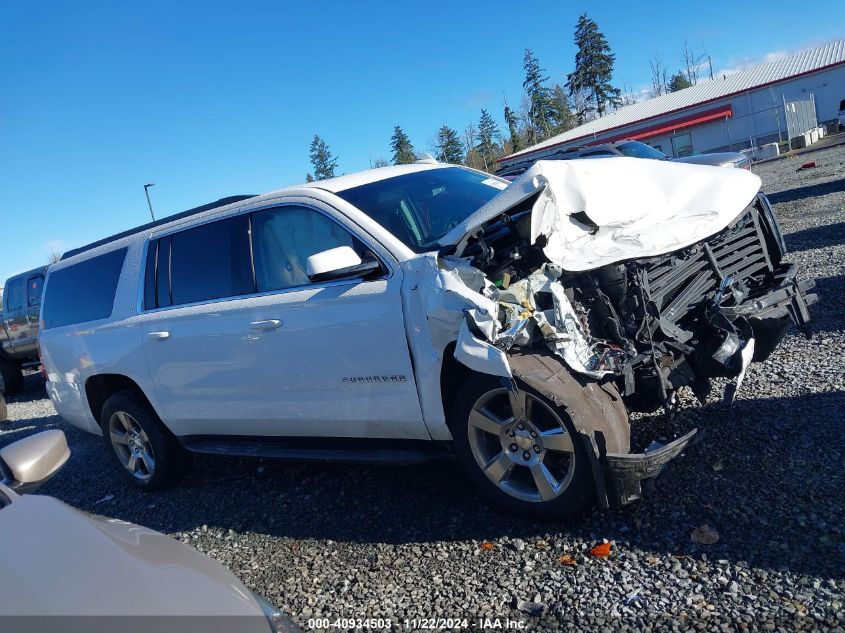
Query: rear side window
{"x":83,"y":292}
{"x":13,"y":295}
{"x":34,"y":286}
{"x":211,"y":261}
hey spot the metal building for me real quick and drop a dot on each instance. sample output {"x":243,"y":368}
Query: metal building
{"x":764,"y":104}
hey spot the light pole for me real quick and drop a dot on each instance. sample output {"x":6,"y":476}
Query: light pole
{"x":149,"y":203}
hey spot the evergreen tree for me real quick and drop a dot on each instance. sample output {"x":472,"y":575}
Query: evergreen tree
{"x":488,"y":134}
{"x":593,"y":67}
{"x":563,"y":118}
{"x":403,"y":151}
{"x":309,"y":178}
{"x":322,"y":160}
{"x":540,"y":110}
{"x":678,"y":81}
{"x":513,"y":128}
{"x":449,"y":147}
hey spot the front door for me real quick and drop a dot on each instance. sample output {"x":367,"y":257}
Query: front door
{"x":283,"y":357}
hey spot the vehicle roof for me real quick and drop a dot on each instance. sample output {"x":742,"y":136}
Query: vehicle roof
{"x":40,"y":269}
{"x":348,"y":181}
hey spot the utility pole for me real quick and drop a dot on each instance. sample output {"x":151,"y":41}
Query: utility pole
{"x":149,"y":203}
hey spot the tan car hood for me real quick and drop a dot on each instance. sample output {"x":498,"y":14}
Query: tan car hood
{"x":55,"y":560}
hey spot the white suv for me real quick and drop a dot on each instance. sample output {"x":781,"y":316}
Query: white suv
{"x":412,"y":312}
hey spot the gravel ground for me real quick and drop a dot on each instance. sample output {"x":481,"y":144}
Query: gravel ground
{"x":342,"y":541}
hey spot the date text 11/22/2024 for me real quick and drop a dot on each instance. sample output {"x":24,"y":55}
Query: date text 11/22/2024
{"x":416,"y":624}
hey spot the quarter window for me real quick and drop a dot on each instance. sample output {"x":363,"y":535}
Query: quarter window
{"x":83,"y":292}
{"x":285,"y":237}
{"x":210,"y":261}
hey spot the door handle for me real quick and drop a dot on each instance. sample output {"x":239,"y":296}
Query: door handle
{"x":267,"y":324}
{"x":158,"y":336}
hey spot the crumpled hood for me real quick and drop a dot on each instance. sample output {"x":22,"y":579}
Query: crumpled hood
{"x":600,"y":211}
{"x":55,"y":560}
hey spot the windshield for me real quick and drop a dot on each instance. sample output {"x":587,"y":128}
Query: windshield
{"x":636,"y":149}
{"x":421,"y":207}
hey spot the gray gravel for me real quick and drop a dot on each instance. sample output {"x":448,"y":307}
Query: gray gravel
{"x":341,"y":541}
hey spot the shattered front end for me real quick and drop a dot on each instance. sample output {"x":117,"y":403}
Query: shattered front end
{"x":638,"y":278}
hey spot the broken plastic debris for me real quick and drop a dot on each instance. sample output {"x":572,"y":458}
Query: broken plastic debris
{"x":602,"y":550}
{"x":531,"y":608}
{"x":704,"y":535}
{"x":487,"y":546}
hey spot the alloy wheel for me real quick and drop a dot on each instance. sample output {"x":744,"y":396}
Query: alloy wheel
{"x":132,"y":446}
{"x":521,"y":444}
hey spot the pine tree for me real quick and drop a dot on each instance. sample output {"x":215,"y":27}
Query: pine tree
{"x":593,"y":67}
{"x":540,"y":111}
{"x":513,"y":128}
{"x":448,"y":144}
{"x":403,"y":151}
{"x":322,"y":160}
{"x":563,"y":118}
{"x":678,"y":81}
{"x":309,"y":178}
{"x":488,"y":147}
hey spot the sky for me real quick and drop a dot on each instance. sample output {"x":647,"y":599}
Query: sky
{"x":210,"y":99}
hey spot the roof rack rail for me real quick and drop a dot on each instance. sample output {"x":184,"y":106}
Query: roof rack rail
{"x":151,"y":225}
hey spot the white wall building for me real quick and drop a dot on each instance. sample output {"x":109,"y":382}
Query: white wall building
{"x":731,"y":112}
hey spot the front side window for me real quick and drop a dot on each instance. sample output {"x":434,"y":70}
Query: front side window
{"x":34,"y":286}
{"x":285,"y":237}
{"x":210,"y":261}
{"x":421,"y":207}
{"x":84,"y":291}
{"x":13,"y":295}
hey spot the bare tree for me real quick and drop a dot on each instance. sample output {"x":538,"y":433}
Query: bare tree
{"x":54,"y":257}
{"x":628,"y":96}
{"x":706,"y":55}
{"x":379,"y":162}
{"x":658,"y":75}
{"x":693,"y":62}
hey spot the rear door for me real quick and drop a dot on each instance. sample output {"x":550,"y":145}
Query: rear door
{"x":239,"y":342}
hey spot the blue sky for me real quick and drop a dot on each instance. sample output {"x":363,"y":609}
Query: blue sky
{"x":209,"y":99}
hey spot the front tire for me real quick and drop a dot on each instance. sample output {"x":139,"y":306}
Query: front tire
{"x":521,"y":450}
{"x":142,"y":448}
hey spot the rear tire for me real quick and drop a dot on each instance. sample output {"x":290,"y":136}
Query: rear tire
{"x":547,"y":476}
{"x":141,"y":447}
{"x":12,"y":375}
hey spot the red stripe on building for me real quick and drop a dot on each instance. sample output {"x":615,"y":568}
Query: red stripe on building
{"x":670,"y":126}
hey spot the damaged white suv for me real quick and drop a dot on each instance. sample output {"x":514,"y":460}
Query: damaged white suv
{"x":408,"y":312}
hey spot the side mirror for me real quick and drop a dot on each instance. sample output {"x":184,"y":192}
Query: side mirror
{"x":339,"y":263}
{"x":28,"y":463}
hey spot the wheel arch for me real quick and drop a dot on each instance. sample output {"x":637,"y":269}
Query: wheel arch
{"x":101,"y":387}
{"x":599,"y":411}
